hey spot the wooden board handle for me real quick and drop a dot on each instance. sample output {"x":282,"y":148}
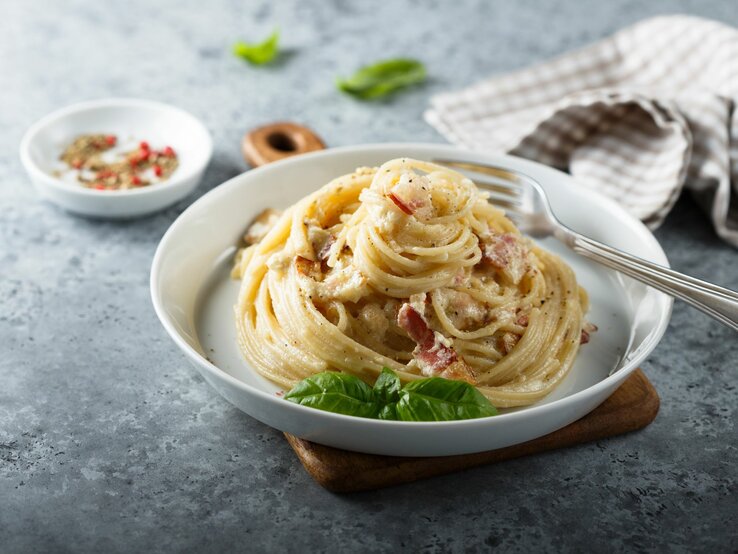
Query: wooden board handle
{"x":277,"y":141}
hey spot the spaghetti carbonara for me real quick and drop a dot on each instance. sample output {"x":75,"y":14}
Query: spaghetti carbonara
{"x":407,"y":266}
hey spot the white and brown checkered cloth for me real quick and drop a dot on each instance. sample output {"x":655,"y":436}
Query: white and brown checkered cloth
{"x":636,"y":116}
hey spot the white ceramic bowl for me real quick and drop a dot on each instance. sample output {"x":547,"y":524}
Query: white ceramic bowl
{"x":159,"y":124}
{"x":194,"y":298}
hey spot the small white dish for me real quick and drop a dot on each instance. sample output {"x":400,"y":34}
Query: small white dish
{"x":159,"y":124}
{"x":194,"y":298}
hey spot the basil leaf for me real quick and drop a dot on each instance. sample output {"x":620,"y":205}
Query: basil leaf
{"x":258,"y":54}
{"x":382,"y":78}
{"x":336,"y":392}
{"x":387,"y":386}
{"x":433,"y":399}
{"x":388,"y":412}
{"x":437,"y":399}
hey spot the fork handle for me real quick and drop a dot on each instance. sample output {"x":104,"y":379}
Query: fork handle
{"x":715,"y":301}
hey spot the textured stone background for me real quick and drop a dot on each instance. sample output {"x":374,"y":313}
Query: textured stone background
{"x":109,"y":441}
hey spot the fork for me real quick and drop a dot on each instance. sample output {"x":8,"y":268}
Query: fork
{"x":527,"y":205}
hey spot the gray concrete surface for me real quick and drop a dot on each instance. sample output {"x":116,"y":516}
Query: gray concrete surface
{"x":109,"y":441}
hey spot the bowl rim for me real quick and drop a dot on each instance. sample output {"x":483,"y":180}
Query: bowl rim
{"x":177,"y":180}
{"x":630,"y":363}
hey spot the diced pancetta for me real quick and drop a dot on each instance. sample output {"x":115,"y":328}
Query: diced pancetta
{"x":506,"y":253}
{"x":587,"y":329}
{"x":308,"y":268}
{"x":411,"y":194}
{"x":460,"y":371}
{"x":434,"y":353}
{"x":399,"y":203}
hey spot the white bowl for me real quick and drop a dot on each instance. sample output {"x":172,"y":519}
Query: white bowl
{"x":194,"y":298}
{"x":159,"y":124}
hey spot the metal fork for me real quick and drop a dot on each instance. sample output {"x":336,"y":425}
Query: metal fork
{"x":528,"y":207}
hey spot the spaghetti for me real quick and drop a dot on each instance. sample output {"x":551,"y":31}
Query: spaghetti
{"x":407,"y":266}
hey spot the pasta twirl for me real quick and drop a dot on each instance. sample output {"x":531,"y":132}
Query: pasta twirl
{"x":408,"y":266}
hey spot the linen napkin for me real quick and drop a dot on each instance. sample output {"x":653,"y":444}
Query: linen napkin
{"x":637,"y":116}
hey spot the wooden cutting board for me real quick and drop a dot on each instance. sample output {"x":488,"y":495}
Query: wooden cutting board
{"x":631,"y":407}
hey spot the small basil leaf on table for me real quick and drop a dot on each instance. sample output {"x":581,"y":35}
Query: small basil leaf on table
{"x":336,"y":392}
{"x":382,"y":78}
{"x":387,"y":387}
{"x":437,"y":399}
{"x":258,"y":54}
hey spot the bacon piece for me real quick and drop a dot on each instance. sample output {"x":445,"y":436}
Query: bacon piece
{"x":434,"y":357}
{"x":412,"y":195}
{"x":587,"y":328}
{"x":506,"y":253}
{"x":399,"y":203}
{"x":496,"y":250}
{"x":307,"y":267}
{"x":409,"y":319}
{"x":460,"y":371}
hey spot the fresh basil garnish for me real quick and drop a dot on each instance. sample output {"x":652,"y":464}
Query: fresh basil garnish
{"x":438,"y":399}
{"x":387,"y":387}
{"x":258,"y":54}
{"x":336,"y":392}
{"x":383,"y":78}
{"x":433,"y":399}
